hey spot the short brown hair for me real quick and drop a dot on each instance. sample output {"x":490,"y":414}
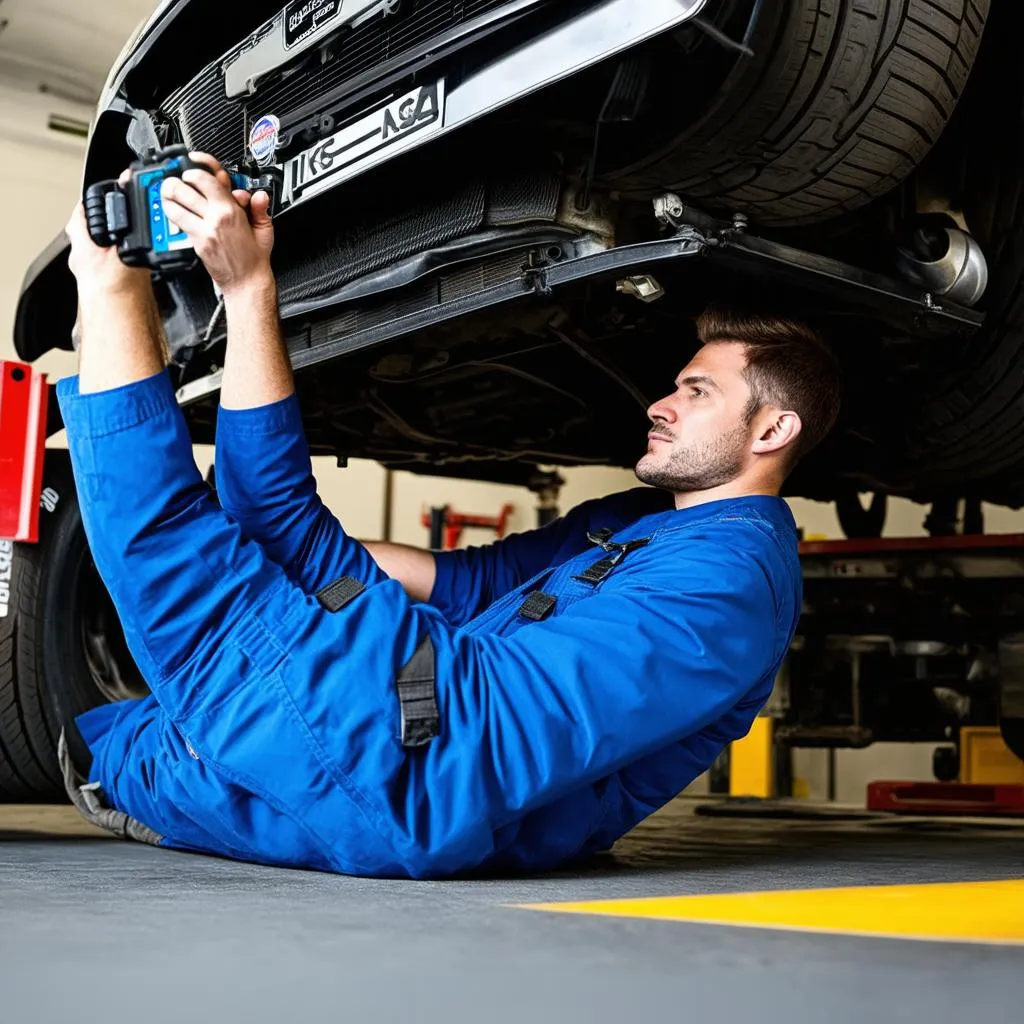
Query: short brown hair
{"x":789,"y":364}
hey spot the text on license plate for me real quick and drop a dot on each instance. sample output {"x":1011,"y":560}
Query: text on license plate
{"x":418,"y":112}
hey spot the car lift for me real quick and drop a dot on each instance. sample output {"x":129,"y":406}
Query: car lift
{"x":921,"y":602}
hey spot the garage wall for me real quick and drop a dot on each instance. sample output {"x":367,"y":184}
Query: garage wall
{"x":39,"y":180}
{"x":904,"y":519}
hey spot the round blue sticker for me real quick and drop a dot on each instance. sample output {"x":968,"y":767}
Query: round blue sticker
{"x":263,"y":139}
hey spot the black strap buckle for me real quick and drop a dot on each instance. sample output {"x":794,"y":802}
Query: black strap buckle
{"x":417,"y":697}
{"x":600,"y":570}
{"x":537,"y":606}
{"x":336,"y":595}
{"x":601,"y":537}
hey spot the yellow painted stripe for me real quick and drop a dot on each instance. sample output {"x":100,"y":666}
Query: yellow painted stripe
{"x":954,"y":912}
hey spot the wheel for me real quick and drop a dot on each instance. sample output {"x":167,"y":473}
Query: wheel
{"x":62,"y":650}
{"x":840,"y":102}
{"x":946,"y":764}
{"x":858,"y":521}
{"x":967,"y":425}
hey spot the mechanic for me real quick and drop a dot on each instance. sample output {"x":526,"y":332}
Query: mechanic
{"x":385,"y":711}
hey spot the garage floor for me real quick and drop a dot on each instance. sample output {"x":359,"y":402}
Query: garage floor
{"x":92,"y":929}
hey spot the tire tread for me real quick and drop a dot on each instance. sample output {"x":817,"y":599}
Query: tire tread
{"x":862,"y":85}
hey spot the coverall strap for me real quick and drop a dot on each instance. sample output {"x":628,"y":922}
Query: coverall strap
{"x":416,"y":683}
{"x":417,"y":696}
{"x":341,"y":592}
{"x":470,"y":580}
{"x":602,"y":569}
{"x":538,"y":606}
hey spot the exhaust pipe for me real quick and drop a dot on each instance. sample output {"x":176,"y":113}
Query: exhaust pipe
{"x":945,"y":261}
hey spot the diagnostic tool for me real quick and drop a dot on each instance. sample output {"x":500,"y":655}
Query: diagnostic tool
{"x":131,"y":215}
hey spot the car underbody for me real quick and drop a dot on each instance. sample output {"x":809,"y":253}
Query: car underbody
{"x":463,"y":297}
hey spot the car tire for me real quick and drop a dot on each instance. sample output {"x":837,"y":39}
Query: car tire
{"x":61,"y":647}
{"x":962,"y":432}
{"x":840,"y":102}
{"x":858,"y":522}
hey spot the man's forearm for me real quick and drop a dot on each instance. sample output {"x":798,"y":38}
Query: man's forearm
{"x":120,"y":335}
{"x":414,"y":568}
{"x":257,"y":370}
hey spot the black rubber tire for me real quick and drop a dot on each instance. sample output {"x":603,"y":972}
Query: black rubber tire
{"x":841,"y":101}
{"x":860,"y":522}
{"x":46,"y":673}
{"x":967,"y":425}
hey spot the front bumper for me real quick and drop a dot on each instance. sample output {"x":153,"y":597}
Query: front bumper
{"x":594,"y":36}
{"x":45,"y":316}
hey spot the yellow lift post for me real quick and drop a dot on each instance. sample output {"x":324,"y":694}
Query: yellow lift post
{"x":751,"y":761}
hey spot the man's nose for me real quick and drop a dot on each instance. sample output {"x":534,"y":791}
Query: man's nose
{"x":659,"y":412}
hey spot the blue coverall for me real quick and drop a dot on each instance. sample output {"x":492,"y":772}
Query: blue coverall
{"x":273,"y":732}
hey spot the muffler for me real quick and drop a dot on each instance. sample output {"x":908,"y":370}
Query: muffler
{"x":945,"y":261}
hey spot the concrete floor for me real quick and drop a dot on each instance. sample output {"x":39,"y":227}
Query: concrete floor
{"x":92,"y":929}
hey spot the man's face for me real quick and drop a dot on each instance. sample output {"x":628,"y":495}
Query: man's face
{"x":700,"y":436}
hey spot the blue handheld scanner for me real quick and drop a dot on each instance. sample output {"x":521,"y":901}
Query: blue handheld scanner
{"x":133,"y":218}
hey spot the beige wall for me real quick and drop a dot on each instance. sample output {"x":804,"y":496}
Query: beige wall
{"x":39,"y":180}
{"x":413,"y":495}
{"x":904,"y":519}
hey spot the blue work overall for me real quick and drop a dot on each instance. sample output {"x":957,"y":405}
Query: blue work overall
{"x":539,"y":728}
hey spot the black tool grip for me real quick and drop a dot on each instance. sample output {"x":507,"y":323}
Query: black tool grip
{"x":95,"y":203}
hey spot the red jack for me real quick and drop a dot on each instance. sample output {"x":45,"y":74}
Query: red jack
{"x":453,"y":523}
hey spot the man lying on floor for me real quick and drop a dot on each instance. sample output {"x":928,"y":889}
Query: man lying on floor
{"x":388,"y":711}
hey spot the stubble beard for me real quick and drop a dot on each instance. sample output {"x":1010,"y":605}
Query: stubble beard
{"x":697,"y":467}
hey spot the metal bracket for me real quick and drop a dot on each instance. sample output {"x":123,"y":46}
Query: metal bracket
{"x":536,"y":280}
{"x":730,"y":244}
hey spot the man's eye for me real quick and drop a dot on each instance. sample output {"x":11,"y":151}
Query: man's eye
{"x":699,"y":393}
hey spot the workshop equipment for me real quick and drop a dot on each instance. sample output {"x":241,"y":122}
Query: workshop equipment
{"x":985,"y":758}
{"x":991,"y":782}
{"x":23,"y":405}
{"x":446,"y":526}
{"x":751,"y":761}
{"x":131,"y":215}
{"x":903,"y":640}
{"x":946,"y":798}
{"x":547,"y":485}
{"x":908,"y":640}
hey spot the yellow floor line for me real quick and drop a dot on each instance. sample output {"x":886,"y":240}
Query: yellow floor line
{"x":990,"y":912}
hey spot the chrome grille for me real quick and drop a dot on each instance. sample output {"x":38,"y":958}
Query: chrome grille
{"x":211,"y":122}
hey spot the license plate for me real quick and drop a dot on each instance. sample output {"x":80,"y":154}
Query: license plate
{"x":419,"y":113}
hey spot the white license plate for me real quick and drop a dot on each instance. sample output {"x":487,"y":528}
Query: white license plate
{"x":346,"y":152}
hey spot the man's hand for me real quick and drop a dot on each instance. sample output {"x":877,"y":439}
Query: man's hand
{"x":98,"y":269}
{"x":231,"y":231}
{"x":233,"y":236}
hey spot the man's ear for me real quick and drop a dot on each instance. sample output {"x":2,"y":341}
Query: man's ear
{"x":778,"y":430}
